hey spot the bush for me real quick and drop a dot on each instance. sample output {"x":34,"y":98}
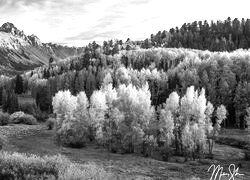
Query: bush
{"x":3,"y":141}
{"x":21,"y":166}
{"x":4,"y":118}
{"x":28,"y":107}
{"x":41,"y":116}
{"x":21,"y":117}
{"x":73,"y":134}
{"x":165,"y":152}
{"x":50,"y":123}
{"x":29,"y":119}
{"x":16,"y":117}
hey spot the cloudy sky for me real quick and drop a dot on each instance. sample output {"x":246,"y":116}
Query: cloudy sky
{"x":77,"y":22}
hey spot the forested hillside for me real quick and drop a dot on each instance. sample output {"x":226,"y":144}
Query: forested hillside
{"x":227,"y":35}
{"x":20,"y":52}
{"x":225,"y":77}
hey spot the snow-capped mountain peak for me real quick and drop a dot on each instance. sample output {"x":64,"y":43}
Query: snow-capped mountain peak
{"x":19,"y":52}
{"x":9,"y":41}
{"x":11,"y":29}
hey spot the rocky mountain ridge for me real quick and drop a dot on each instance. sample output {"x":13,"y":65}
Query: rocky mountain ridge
{"x":19,"y":52}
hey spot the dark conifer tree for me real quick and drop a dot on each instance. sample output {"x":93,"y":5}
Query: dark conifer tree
{"x":12,"y":102}
{"x":43,"y":99}
{"x":1,"y":92}
{"x":4,"y":100}
{"x":19,"y":84}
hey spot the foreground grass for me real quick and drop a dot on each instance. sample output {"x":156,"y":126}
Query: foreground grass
{"x":31,"y":167}
{"x":128,"y":166}
{"x":235,"y":137}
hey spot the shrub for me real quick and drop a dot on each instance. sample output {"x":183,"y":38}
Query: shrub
{"x":72,"y":134}
{"x":41,"y":116}
{"x":3,"y":141}
{"x":21,"y":166}
{"x":50,"y":123}
{"x":21,"y":117}
{"x":27,"y":106}
{"x":29,"y":119}
{"x":16,"y":117}
{"x":4,"y":118}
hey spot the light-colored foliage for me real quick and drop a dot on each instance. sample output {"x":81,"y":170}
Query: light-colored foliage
{"x":221,"y":113}
{"x":191,"y":120}
{"x":81,"y":112}
{"x":110,"y":93}
{"x":107,"y":79}
{"x":97,"y":111}
{"x":166,"y":126}
{"x":172,"y":103}
{"x":21,"y":166}
{"x":64,"y":105}
{"x":72,"y":118}
{"x":208,"y":122}
{"x":16,"y":115}
{"x":21,"y":117}
{"x":123,"y":76}
{"x":136,"y":106}
{"x":247,"y":117}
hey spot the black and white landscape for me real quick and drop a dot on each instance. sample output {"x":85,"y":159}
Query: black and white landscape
{"x":135,"y":89}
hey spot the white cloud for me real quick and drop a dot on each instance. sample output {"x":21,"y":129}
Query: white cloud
{"x":77,"y":22}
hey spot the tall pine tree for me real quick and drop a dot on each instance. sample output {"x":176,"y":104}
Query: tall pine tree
{"x":19,"y":84}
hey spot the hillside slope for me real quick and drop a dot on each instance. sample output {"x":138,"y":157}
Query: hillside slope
{"x":19,"y":52}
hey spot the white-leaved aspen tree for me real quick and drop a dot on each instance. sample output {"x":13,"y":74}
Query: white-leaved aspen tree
{"x":136,"y":105}
{"x":173,"y":104}
{"x":110,"y":120}
{"x":221,"y":114}
{"x":82,"y":113}
{"x":97,"y":111}
{"x":69,"y":130}
{"x":64,"y":105}
{"x":82,"y":108}
{"x":209,"y":125}
{"x":247,"y":118}
{"x":166,"y":128}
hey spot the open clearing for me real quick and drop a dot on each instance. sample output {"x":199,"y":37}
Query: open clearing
{"x":38,"y":140}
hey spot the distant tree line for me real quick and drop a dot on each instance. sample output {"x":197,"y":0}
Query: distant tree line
{"x":225,"y":35}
